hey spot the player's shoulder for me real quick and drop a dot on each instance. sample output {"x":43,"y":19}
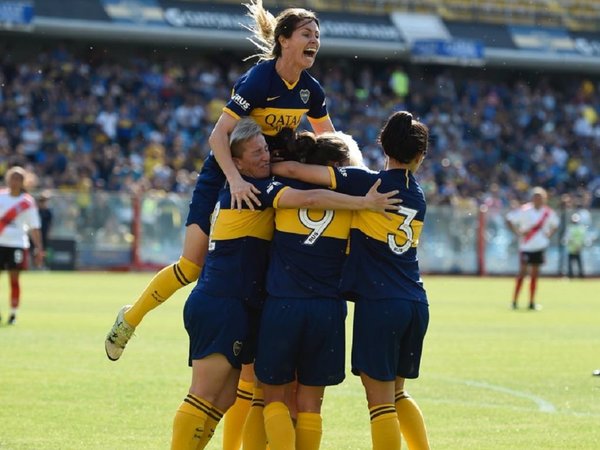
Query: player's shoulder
{"x":260,"y":71}
{"x":309,"y":81}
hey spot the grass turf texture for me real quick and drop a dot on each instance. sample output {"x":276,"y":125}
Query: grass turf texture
{"x":491,"y":378}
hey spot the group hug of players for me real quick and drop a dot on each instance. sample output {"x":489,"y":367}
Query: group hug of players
{"x":284,"y":228}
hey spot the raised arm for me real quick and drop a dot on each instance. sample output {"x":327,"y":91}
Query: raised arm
{"x":241,"y":190}
{"x":324,"y":199}
{"x":310,"y":173}
{"x":321,"y":126}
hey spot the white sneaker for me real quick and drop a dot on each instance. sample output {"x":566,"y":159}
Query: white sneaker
{"x":118,"y":336}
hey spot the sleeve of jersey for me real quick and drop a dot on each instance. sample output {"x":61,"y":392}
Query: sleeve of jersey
{"x":318,"y":108}
{"x":270,"y":193}
{"x":248,"y":93}
{"x":352,"y":180}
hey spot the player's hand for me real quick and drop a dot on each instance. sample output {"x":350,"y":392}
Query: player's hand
{"x":243,"y":192}
{"x":38,"y":257}
{"x":382,"y":201}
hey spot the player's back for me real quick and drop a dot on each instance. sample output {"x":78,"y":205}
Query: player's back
{"x":384,"y":249}
{"x":308,"y":251}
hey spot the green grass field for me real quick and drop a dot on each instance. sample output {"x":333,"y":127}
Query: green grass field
{"x":491,"y":378}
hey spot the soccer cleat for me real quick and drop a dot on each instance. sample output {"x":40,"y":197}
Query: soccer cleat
{"x":535,"y":307}
{"x":514,"y":305}
{"x":596,"y":373}
{"x":118,"y":336}
{"x":12,"y":319}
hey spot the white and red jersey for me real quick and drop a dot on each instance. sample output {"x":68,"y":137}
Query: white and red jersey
{"x":18,"y":215}
{"x":534,"y":226}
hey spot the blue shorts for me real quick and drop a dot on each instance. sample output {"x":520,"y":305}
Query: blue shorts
{"x":301,"y":338}
{"x":205,"y":195}
{"x":215,"y":325}
{"x":251,"y":344}
{"x":388,"y":338}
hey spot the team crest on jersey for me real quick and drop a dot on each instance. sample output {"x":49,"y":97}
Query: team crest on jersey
{"x":237,"y":348}
{"x":304,"y":95}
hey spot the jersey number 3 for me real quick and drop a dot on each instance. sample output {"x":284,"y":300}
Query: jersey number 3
{"x":408,"y":214}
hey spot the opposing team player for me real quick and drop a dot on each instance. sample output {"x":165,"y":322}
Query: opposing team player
{"x":19,"y":219}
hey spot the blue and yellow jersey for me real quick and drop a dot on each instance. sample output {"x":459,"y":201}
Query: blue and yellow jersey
{"x":272,"y":102}
{"x":308,"y":251}
{"x":382,"y":261}
{"x":238,"y":247}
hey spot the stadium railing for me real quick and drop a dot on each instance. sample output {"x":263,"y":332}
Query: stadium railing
{"x":116,"y":231}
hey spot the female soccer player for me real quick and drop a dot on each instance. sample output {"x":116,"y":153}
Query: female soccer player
{"x":276,"y":93}
{"x":381,"y":274}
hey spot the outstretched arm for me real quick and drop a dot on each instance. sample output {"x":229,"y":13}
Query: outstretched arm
{"x":310,"y":173}
{"x":324,"y":199}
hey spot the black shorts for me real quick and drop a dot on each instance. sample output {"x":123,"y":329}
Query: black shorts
{"x":12,"y":258}
{"x":533,"y":258}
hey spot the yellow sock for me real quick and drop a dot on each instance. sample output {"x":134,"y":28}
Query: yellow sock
{"x":254,"y":436}
{"x":161,"y":287}
{"x":209,"y":427}
{"x":412,"y":424}
{"x":309,"y":429}
{"x":279,"y":427}
{"x":235,"y":418}
{"x":385,"y":430}
{"x":188,"y":425}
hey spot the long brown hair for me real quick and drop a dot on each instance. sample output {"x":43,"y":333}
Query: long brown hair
{"x":267,"y":29}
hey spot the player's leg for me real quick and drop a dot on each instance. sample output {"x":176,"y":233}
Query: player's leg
{"x":224,"y":402}
{"x":254,"y":435}
{"x":321,"y":363}
{"x":200,"y":409}
{"x":236,"y":416}
{"x":281,"y":331}
{"x":173,"y":277}
{"x":374,"y":359}
{"x":410,"y":349}
{"x":385,"y":429}
{"x":309,"y":425}
{"x":519,"y":279}
{"x":535,"y":270}
{"x":179,"y":274}
{"x":278,"y":421}
{"x":15,"y":294}
{"x":410,"y":417}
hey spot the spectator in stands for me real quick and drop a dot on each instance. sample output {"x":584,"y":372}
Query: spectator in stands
{"x":19,"y":220}
{"x":534,"y":223}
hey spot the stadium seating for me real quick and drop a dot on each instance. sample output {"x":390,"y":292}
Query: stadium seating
{"x":573,"y":14}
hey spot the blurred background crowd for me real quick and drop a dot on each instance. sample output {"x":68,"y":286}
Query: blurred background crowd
{"x":87,"y":120}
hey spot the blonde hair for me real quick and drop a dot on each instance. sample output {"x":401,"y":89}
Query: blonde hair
{"x":267,"y":29}
{"x":18,"y":170}
{"x":355,"y":157}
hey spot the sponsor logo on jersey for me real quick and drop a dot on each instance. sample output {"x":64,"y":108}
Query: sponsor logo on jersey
{"x":241,"y":102}
{"x":279,"y":121}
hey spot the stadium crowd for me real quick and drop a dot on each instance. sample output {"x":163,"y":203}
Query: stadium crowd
{"x":91,"y":121}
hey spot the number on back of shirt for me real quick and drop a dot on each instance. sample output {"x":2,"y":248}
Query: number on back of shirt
{"x":317,"y":227}
{"x":408,"y":214}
